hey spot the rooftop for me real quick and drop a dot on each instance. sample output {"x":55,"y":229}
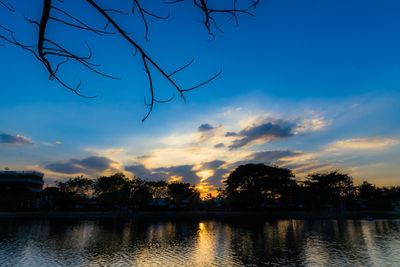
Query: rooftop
{"x":21,"y":173}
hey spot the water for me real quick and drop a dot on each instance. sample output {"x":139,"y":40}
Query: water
{"x":200,"y":243}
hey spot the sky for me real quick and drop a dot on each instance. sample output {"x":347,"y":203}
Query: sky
{"x":308,"y":85}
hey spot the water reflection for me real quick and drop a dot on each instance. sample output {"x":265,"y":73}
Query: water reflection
{"x":200,"y":243}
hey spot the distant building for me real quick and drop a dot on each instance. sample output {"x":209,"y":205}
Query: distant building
{"x":20,"y":190}
{"x":14,"y":181}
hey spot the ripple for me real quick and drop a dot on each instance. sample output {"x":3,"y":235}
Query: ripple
{"x":206,"y":243}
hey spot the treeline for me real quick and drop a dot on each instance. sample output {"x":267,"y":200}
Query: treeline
{"x":116,"y":191}
{"x":248,"y":187}
{"x":258,"y":186}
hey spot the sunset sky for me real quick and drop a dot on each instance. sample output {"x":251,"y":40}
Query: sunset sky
{"x":307,"y":85}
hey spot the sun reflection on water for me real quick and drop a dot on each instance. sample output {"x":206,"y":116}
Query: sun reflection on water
{"x":201,"y":243}
{"x":204,"y":252}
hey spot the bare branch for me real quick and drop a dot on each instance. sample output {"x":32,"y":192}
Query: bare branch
{"x":53,"y":54}
{"x":203,"y":83}
{"x":173,"y":2}
{"x":209,"y":13}
{"x":144,"y":12}
{"x":81,"y":25}
{"x":42,"y":52}
{"x":7,"y":5}
{"x":182,"y":68}
{"x":148,"y":60}
{"x":116,"y":11}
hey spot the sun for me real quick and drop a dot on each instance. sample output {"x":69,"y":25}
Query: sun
{"x":201,"y":187}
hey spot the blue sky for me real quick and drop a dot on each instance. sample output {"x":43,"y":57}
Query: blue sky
{"x":309,"y":85}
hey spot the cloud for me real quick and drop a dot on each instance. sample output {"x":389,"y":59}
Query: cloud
{"x":215,"y":164}
{"x":207,"y":172}
{"x":271,"y":156}
{"x":189,"y":173}
{"x":312,"y":124}
{"x":94,"y":163}
{"x":262,"y":133}
{"x":56,"y":143}
{"x":276,"y":157}
{"x":220,"y":169}
{"x":228,"y":134}
{"x":219,"y":145}
{"x":64,"y":167}
{"x":89,"y":165}
{"x":184,"y":173}
{"x":217,"y":177}
{"x":363,"y":143}
{"x":139,"y":170}
{"x":109,"y":152}
{"x":16,"y":140}
{"x":143,"y":157}
{"x":311,"y":168}
{"x":205,"y":127}
{"x":211,"y":173}
{"x":189,"y":154}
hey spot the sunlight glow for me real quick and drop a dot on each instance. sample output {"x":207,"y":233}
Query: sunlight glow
{"x":205,"y":174}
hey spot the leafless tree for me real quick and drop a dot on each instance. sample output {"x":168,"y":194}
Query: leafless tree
{"x":52,"y":54}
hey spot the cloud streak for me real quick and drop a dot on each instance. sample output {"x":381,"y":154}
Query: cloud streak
{"x":184,"y":173}
{"x":272,"y":156}
{"x":262,"y":133}
{"x":90,"y":165}
{"x":140,"y":170}
{"x":16,"y":140}
{"x":363,"y":143}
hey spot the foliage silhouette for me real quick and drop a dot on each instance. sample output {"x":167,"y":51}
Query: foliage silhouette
{"x":250,"y":186}
{"x":113,"y":190}
{"x":257,"y":184}
{"x":180,"y":193}
{"x":158,"y":189}
{"x":330,"y":188}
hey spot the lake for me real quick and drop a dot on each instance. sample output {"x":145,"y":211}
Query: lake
{"x":199,"y":243}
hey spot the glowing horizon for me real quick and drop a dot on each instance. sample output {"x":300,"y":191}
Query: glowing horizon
{"x":306,"y":86}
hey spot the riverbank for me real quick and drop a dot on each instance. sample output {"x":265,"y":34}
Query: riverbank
{"x":198,"y":215}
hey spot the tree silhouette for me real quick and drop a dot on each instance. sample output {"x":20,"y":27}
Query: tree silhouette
{"x":113,"y":190}
{"x":180,"y":192}
{"x":330,"y":188}
{"x":140,"y":192}
{"x":158,"y":189}
{"x":254,"y":184}
{"x":71,"y":192}
{"x":78,"y":186}
{"x":53,"y":54}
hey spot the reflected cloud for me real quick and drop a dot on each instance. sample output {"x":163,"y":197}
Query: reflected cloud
{"x":200,"y":243}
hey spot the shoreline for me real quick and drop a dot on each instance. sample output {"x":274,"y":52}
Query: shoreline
{"x":198,"y":215}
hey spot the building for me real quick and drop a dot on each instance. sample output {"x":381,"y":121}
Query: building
{"x":24,"y":181}
{"x":20,"y":190}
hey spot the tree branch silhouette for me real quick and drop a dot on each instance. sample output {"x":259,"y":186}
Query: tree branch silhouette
{"x":53,"y":54}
